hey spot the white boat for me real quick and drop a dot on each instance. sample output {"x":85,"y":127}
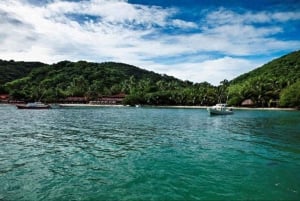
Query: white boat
{"x":55,"y":106}
{"x":219,"y":109}
{"x":35,"y":105}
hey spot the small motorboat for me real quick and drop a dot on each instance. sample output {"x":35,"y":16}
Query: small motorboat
{"x":34,"y":105}
{"x":219,"y":109}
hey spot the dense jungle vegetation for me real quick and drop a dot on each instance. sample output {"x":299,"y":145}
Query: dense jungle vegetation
{"x":12,"y":70}
{"x":276,"y":82}
{"x":273,"y":82}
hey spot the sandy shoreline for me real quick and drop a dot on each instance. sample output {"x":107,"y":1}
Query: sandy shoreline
{"x":234,"y":108}
{"x":178,"y":106}
{"x":88,"y":105}
{"x":166,"y":106}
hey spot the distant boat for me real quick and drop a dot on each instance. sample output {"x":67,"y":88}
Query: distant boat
{"x":219,"y":109}
{"x":34,"y":105}
{"x":55,"y":106}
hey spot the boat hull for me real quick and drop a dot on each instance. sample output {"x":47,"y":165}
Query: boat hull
{"x":218,"y":112}
{"x":33,"y":107}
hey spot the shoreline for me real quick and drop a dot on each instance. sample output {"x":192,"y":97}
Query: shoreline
{"x":86,"y":105}
{"x":234,"y":108}
{"x":74,"y":105}
{"x":178,"y":107}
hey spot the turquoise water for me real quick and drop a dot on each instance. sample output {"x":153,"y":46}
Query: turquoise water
{"x":148,"y":154}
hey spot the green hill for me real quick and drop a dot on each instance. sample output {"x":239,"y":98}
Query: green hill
{"x":265,"y":84}
{"x":285,"y":68}
{"x":274,"y":84}
{"x":11,"y":70}
{"x":54,"y":82}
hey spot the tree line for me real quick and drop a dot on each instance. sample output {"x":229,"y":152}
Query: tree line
{"x":274,"y":84}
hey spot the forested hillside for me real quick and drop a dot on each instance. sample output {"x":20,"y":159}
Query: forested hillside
{"x":51,"y":83}
{"x":286,"y":68}
{"x":272,"y":85}
{"x":265,"y":84}
{"x":11,"y":70}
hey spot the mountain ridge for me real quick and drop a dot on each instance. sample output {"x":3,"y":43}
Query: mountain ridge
{"x":31,"y":80}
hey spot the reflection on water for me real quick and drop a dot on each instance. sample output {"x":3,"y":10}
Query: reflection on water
{"x":148,"y":154}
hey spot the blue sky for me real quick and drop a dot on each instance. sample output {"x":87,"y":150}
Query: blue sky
{"x":196,"y":40}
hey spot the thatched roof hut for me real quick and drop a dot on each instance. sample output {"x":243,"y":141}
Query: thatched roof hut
{"x":247,"y":103}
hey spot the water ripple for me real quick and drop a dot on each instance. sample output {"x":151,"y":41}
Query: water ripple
{"x":148,"y":154}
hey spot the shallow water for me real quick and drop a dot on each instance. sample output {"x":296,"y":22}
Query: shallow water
{"x":148,"y":154}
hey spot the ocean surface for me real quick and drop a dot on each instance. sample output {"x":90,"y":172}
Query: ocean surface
{"x":125,"y":153}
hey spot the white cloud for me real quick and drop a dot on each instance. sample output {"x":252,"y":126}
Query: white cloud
{"x":101,"y":30}
{"x":223,"y":16}
{"x":184,"y":24}
{"x":286,"y":16}
{"x":115,"y":12}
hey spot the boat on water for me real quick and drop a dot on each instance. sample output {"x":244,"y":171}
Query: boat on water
{"x":55,"y":106}
{"x":219,"y":109}
{"x":34,"y":105}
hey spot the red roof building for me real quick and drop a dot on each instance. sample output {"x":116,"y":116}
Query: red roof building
{"x":75,"y":99}
{"x":110,"y":100}
{"x":4,"y":98}
{"x":247,"y":103}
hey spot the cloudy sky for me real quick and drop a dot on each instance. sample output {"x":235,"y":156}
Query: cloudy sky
{"x":196,"y":40}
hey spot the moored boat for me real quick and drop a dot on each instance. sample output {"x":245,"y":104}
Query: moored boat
{"x":55,"y":106}
{"x":34,"y":105}
{"x":219,"y":109}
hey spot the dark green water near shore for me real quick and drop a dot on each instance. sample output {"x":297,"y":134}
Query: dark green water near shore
{"x":148,"y":154}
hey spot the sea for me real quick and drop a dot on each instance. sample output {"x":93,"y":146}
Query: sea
{"x":148,"y":153}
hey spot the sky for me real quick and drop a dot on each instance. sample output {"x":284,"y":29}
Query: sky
{"x":195,"y":40}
